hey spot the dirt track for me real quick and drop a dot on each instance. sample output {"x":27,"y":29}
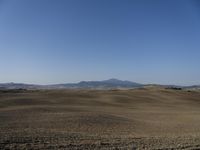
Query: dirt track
{"x":149,"y":118}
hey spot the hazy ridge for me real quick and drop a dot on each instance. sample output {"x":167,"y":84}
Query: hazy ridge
{"x":105,"y":84}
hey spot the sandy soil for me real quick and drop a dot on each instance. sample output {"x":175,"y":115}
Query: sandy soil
{"x":148,"y":118}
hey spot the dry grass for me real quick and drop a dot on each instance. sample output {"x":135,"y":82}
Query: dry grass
{"x":149,"y":118}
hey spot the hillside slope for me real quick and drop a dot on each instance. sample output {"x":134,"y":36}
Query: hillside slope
{"x":143,"y":118}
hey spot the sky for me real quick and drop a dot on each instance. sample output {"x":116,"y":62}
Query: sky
{"x":64,"y":41}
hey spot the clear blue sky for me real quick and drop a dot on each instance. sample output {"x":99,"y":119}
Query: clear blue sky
{"x":59,"y":41}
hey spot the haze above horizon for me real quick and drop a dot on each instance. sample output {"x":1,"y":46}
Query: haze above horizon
{"x":58,"y":41}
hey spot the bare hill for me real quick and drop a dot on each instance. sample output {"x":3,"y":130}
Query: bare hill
{"x":151,"y":118}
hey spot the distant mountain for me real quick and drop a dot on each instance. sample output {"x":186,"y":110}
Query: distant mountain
{"x":105,"y":84}
{"x":18,"y":86}
{"x":111,"y":83}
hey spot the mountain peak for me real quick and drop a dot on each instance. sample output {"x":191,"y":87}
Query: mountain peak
{"x":113,"y":80}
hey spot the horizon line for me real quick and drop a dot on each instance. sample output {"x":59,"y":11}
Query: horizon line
{"x":153,"y":83}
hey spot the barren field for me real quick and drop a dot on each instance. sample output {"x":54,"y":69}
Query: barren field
{"x":146,"y":118}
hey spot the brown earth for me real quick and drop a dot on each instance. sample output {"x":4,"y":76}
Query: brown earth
{"x":147,"y":118}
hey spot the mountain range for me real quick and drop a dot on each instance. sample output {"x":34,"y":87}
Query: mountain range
{"x":105,"y":84}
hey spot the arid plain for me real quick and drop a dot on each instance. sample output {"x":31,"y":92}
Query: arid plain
{"x":144,"y":118}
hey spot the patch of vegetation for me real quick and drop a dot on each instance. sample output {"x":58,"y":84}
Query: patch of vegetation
{"x":12,"y":90}
{"x":174,"y":88}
